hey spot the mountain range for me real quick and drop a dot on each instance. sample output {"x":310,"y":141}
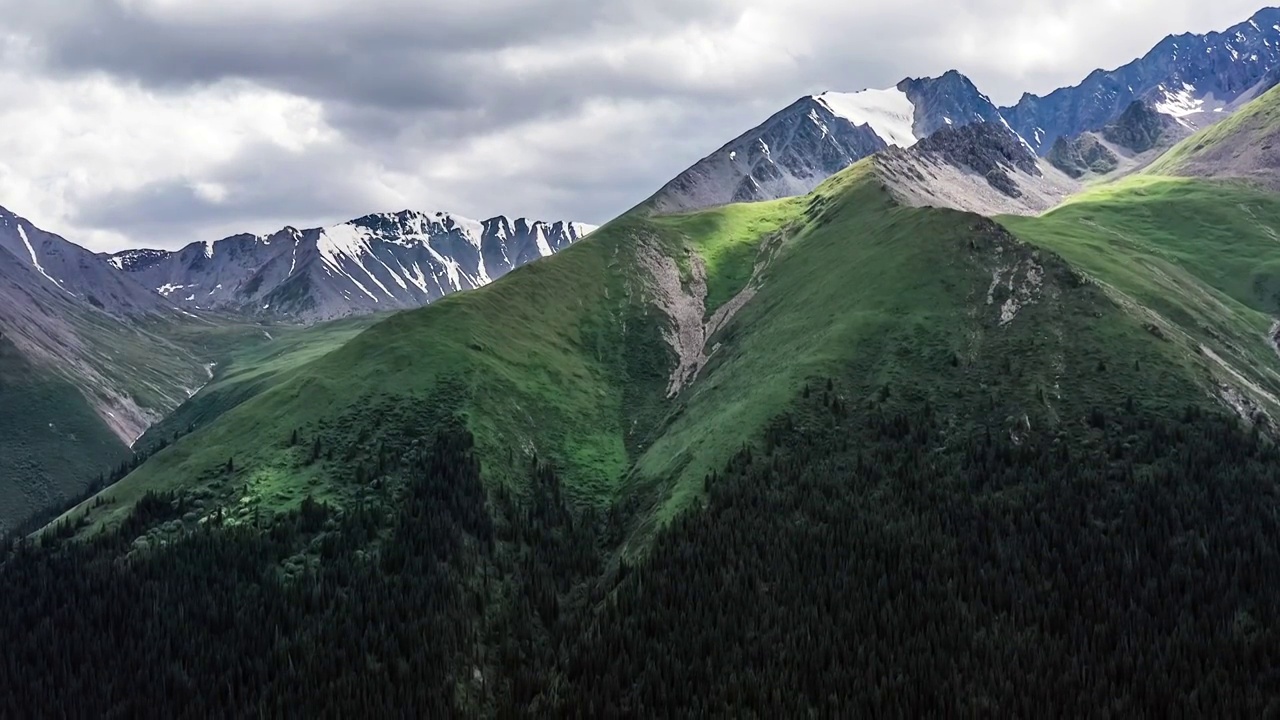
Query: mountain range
{"x":95,"y":349}
{"x":1194,"y":78}
{"x":381,"y":262}
{"x":884,"y":408}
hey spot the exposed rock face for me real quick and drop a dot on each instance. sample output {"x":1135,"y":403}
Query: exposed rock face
{"x":1081,"y":155}
{"x":1194,"y":78}
{"x":950,"y":100}
{"x":789,"y":154}
{"x":377,"y":262}
{"x":1141,"y":128}
{"x":988,"y":149}
{"x":984,"y":168}
{"x":817,"y":136}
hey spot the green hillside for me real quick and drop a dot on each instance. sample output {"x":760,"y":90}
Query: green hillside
{"x":249,"y":359}
{"x":1199,"y":259}
{"x":826,"y":456}
{"x":572,"y":361}
{"x":52,"y":443}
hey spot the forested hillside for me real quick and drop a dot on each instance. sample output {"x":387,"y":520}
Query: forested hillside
{"x":827,"y":456}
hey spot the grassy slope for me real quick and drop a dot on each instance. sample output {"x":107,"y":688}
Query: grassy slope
{"x":565,"y":358}
{"x":562,"y":358}
{"x":250,"y":358}
{"x":898,"y":293}
{"x":1202,"y":257}
{"x":52,"y":443}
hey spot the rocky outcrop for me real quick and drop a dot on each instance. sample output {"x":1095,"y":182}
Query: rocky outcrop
{"x":989,"y":149}
{"x":947,"y":101}
{"x":1141,"y":128}
{"x":1082,"y":155}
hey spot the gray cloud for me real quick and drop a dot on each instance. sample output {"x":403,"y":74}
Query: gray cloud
{"x":549,"y":108}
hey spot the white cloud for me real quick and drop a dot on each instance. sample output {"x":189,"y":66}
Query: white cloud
{"x":64,"y":142}
{"x":160,"y":122}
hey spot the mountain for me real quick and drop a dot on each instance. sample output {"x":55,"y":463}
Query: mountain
{"x":1025,"y":457}
{"x":981,"y":167}
{"x":378,"y":262}
{"x":1240,"y":147}
{"x":84,"y":367}
{"x":1137,"y":137}
{"x":1196,"y":79}
{"x":75,"y":271}
{"x":819,"y":135}
{"x":837,"y":415}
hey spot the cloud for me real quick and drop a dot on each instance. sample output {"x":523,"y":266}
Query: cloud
{"x":161,"y":122}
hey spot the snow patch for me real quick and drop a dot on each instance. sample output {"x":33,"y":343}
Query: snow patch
{"x":1182,"y":103}
{"x":35,"y":262}
{"x":889,"y":113}
{"x":540,"y":234}
{"x":352,"y":242}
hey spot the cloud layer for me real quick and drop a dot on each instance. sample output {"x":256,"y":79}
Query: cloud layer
{"x":162,"y":122}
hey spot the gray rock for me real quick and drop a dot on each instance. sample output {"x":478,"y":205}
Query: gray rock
{"x":1081,"y":155}
{"x":983,"y":168}
{"x":1141,"y":128}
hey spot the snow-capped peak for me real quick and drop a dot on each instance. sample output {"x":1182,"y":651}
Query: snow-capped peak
{"x":889,"y":113}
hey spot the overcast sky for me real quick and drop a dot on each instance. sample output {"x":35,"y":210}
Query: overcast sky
{"x":160,"y":122}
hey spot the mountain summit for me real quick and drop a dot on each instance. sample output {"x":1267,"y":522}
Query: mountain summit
{"x":386,"y":261}
{"x":819,"y":135}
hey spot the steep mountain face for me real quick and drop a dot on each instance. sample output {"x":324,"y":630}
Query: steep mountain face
{"x":820,"y":135}
{"x":1141,"y":128}
{"x":983,"y":167}
{"x":377,"y":262}
{"x":75,"y":271}
{"x":82,"y":372}
{"x":1196,"y":79}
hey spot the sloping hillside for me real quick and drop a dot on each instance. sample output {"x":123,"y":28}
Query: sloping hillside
{"x":641,"y":359}
{"x":1198,"y":258}
{"x":813,"y":419}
